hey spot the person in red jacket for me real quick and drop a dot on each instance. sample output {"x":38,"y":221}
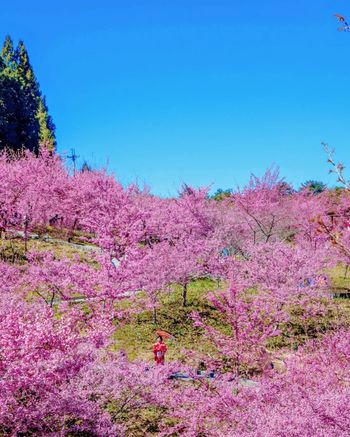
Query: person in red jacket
{"x":159,"y":350}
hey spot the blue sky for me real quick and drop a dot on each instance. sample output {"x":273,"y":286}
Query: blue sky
{"x":196,"y":91}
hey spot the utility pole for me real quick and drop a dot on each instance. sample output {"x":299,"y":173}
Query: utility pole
{"x":74,"y":158}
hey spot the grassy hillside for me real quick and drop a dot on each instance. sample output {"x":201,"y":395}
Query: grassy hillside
{"x":136,"y":335}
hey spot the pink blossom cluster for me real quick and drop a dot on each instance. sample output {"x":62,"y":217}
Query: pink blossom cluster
{"x":268,"y":247}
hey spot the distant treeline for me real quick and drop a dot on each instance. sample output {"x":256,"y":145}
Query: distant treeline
{"x":24,"y":118}
{"x":315,"y":187}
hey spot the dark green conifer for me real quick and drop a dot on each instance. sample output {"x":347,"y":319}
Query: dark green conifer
{"x":24,"y":118}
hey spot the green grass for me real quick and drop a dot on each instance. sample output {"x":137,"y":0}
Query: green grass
{"x":340,"y":277}
{"x":138,"y":334}
{"x":13,"y":249}
{"x":63,"y":234}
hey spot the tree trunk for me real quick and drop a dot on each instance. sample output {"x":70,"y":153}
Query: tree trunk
{"x":26,"y":223}
{"x":184,"y":296}
{"x":154,"y":315}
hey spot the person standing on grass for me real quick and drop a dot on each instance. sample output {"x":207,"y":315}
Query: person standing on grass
{"x":159,"y":350}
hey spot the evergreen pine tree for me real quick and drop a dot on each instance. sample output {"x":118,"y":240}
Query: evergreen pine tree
{"x":46,"y":126}
{"x":24,"y":118}
{"x":26,"y":74}
{"x":12,"y":100}
{"x":27,"y":115}
{"x":8,"y":54}
{"x":86,"y":167}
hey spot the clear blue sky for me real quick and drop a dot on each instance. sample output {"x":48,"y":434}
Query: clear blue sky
{"x":196,"y":91}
